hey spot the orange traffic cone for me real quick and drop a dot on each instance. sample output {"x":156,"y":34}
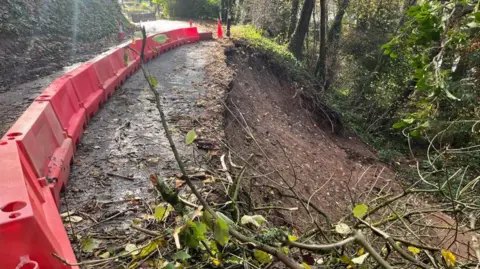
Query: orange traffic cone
{"x":219,"y":30}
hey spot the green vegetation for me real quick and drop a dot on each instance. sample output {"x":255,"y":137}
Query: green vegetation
{"x":276,"y":54}
{"x":87,"y":20}
{"x":138,"y":8}
{"x":190,"y":9}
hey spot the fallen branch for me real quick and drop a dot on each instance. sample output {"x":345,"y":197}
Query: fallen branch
{"x":120,"y":176}
{"x":140,"y":229}
{"x":392,"y":243}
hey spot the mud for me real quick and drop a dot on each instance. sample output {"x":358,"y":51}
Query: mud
{"x":290,"y":147}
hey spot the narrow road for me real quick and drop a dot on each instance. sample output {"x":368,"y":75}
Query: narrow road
{"x":14,"y":101}
{"x":125,"y":142}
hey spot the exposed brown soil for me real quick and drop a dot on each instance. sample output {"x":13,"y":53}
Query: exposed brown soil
{"x":265,"y":117}
{"x":321,"y":163}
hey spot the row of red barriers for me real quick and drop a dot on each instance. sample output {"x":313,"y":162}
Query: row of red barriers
{"x":36,"y":152}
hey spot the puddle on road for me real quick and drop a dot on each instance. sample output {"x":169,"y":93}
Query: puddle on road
{"x":126,"y":138}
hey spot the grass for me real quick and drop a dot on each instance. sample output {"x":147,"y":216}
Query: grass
{"x":277,"y":54}
{"x":134,"y":8}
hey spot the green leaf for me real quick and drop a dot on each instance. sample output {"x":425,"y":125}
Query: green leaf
{"x":191,"y":136}
{"x":161,"y":38}
{"x":104,"y":255}
{"x":360,"y":210}
{"x":89,"y":244}
{"x":305,"y":265}
{"x":256,"y":220}
{"x":169,"y":266}
{"x":188,"y":238}
{"x":399,"y":125}
{"x":199,"y":229}
{"x":345,"y":259}
{"x":342,"y":228}
{"x":476,"y":15}
{"x":220,"y":231}
{"x":292,"y":238}
{"x":262,"y":256}
{"x":162,"y":212}
{"x":207,"y":219}
{"x":182,"y":255}
{"x":409,"y":120}
{"x":151,"y":247}
{"x":225,"y":218}
{"x":154,"y":81}
{"x":393,"y":55}
{"x":415,"y":133}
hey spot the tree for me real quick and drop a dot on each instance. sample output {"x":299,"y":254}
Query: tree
{"x":333,"y":44}
{"x":321,"y":68}
{"x":293,"y":18}
{"x":298,"y":39}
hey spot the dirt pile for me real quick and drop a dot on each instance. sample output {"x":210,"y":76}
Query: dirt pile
{"x":288,"y":148}
{"x":38,"y":37}
{"x":266,"y":118}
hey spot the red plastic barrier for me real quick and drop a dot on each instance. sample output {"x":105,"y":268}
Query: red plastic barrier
{"x":150,"y":48}
{"x":30,"y":225}
{"x":124,"y":68}
{"x":66,"y":105}
{"x":191,"y":34}
{"x":109,"y":81}
{"x":36,"y":153}
{"x":39,"y":136}
{"x":87,"y":87}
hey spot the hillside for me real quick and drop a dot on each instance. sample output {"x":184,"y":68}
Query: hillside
{"x":38,"y":37}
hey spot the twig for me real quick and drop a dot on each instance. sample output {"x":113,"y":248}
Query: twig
{"x":475,"y":240}
{"x":361,"y":240}
{"x":105,"y":220}
{"x":120,"y":176}
{"x":225,"y":169}
{"x":231,"y":162}
{"x":392,"y":243}
{"x":321,"y":247}
{"x":358,"y":237}
{"x":143,"y":230}
{"x":414,"y":244}
{"x":275,"y":208}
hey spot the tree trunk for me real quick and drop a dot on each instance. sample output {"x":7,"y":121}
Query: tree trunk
{"x":334,"y":41}
{"x":293,"y":18}
{"x":296,"y":44}
{"x":321,"y":68}
{"x":366,"y":81}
